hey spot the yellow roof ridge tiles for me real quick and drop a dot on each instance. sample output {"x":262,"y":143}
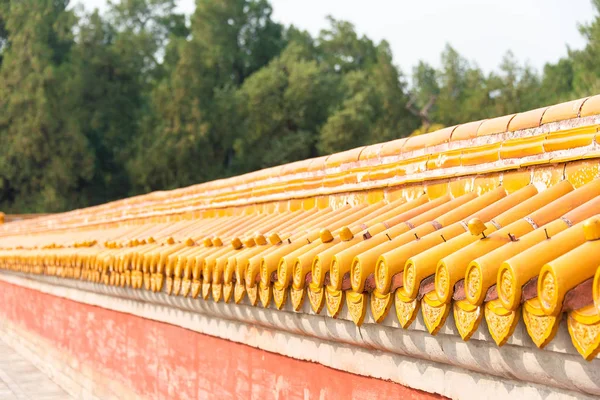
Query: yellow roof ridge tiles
{"x":446,"y":153}
{"x":483,"y":220}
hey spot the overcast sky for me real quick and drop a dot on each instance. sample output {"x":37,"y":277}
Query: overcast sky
{"x":537,"y":31}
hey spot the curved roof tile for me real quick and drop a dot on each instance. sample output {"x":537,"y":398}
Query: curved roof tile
{"x":484,"y":228}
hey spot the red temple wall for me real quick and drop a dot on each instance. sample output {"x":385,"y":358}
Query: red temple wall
{"x":158,"y":360}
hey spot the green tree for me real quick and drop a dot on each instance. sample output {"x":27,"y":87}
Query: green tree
{"x":394,"y":119}
{"x":452,"y":83}
{"x":425,"y":83}
{"x":193,"y":119}
{"x":343,"y":50}
{"x":423,"y":95}
{"x":586,"y":79}
{"x":557,"y":83}
{"x":237,"y":37}
{"x":476,"y":100}
{"x":351,"y":123}
{"x":44,"y":157}
{"x":111,"y":100}
{"x":143,"y":29}
{"x":4,"y":7}
{"x":515,"y":87}
{"x":168,"y":151}
{"x":373,"y":108}
{"x":120,"y":59}
{"x":305,"y":44}
{"x":373,"y":105}
{"x":181,"y":145}
{"x":282,"y":107}
{"x":137,"y":99}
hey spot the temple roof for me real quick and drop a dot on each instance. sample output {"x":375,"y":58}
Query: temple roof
{"x":495,"y":219}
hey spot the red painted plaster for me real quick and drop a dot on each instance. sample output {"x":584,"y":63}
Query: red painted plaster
{"x":163,"y":361}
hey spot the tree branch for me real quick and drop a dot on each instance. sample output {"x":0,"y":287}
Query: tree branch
{"x":423,"y":113}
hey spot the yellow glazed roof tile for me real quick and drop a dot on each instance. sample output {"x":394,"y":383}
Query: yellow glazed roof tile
{"x":495,"y":125}
{"x":371,"y":152}
{"x":393,"y":148}
{"x":428,"y":139}
{"x":497,"y":243}
{"x":563,"y":111}
{"x":590,"y":107}
{"x":527,"y":120}
{"x":466,"y":131}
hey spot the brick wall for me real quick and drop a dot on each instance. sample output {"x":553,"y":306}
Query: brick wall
{"x":110,"y":353}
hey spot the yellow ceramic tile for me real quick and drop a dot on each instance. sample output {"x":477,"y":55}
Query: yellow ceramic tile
{"x":428,"y":139}
{"x":309,"y":203}
{"x":446,"y":159}
{"x":481,"y":154}
{"x":371,"y":152}
{"x":461,"y":186}
{"x":312,"y":183}
{"x":495,"y":125}
{"x":339,"y":200}
{"x":387,"y":171}
{"x":412,"y":166}
{"x":408,"y":192}
{"x":297,"y":185}
{"x":501,"y":322}
{"x":584,"y":328}
{"x":269,"y":207}
{"x":353,"y":198}
{"x":560,"y":112}
{"x":526,"y":120}
{"x":546,"y":176}
{"x":522,"y":147}
{"x":436,"y":190}
{"x":286,"y":205}
{"x":334,"y":180}
{"x":374,"y":196}
{"x":350,"y":177}
{"x":487,"y":183}
{"x":582,"y":172}
{"x":345,"y":157}
{"x":591,"y":106}
{"x":317,"y":164}
{"x":515,"y":180}
{"x":297,"y":167}
{"x":362,"y":173}
{"x":393,"y":148}
{"x":570,"y":138}
{"x":466,"y":131}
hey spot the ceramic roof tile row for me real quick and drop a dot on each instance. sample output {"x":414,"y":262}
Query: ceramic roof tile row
{"x":487,"y":243}
{"x":562,"y":132}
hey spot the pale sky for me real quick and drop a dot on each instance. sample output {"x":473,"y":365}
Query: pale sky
{"x":537,"y":31}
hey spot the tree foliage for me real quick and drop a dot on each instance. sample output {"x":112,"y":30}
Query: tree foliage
{"x":282,"y":108}
{"x":95,"y":107}
{"x":45,"y":157}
